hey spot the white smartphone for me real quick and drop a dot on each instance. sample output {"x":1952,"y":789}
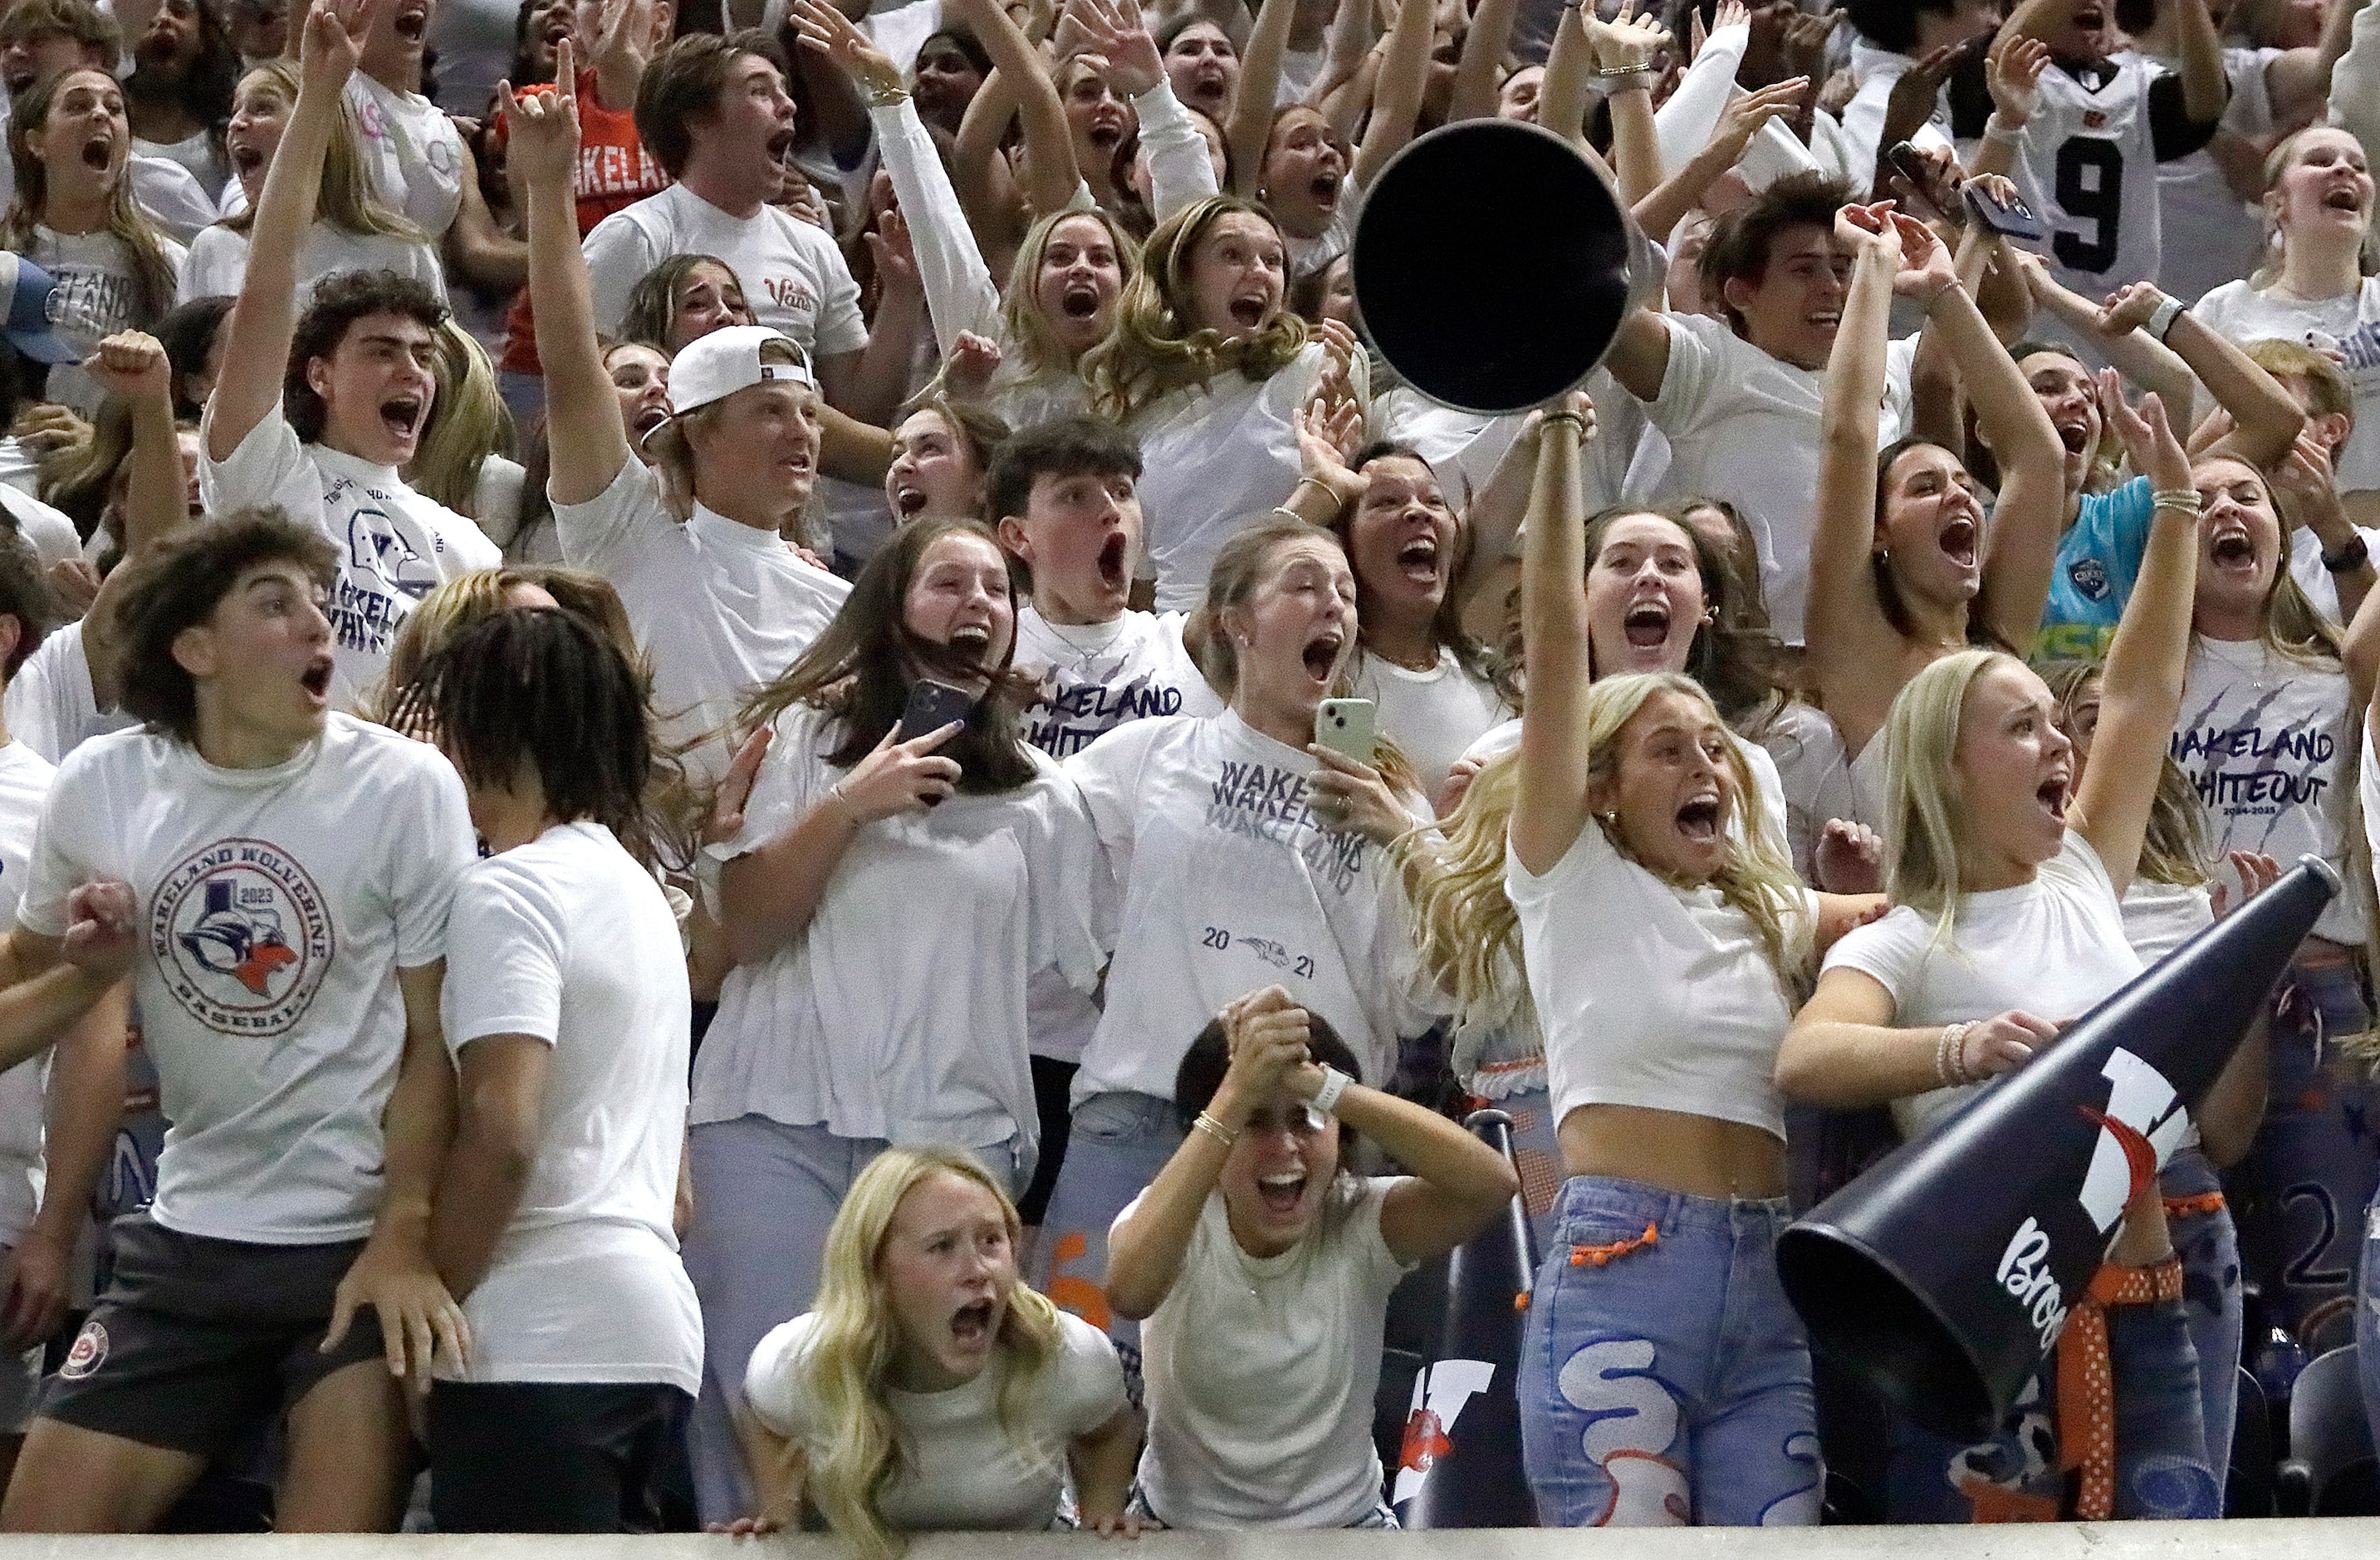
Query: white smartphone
{"x":1344,"y":726}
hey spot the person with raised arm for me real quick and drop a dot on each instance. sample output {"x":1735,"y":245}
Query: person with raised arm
{"x":2007,"y":881}
{"x":315,"y":412}
{"x":721,"y":604}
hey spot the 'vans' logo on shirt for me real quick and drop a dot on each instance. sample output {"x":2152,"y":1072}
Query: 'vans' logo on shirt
{"x":792,"y":294}
{"x":242,"y":936}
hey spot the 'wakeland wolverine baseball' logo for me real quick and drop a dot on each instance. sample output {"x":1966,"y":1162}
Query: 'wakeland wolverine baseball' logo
{"x":242,"y":936}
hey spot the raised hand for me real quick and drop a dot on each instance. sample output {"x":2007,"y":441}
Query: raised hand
{"x":1915,"y":93}
{"x":1628,"y":41}
{"x":1926,"y":269}
{"x":333,"y":42}
{"x":968,"y":370}
{"x":727,"y":803}
{"x":827,"y":33}
{"x":2128,"y":308}
{"x":898,"y":777}
{"x":133,"y":365}
{"x":624,"y":32}
{"x":895,"y":259}
{"x":541,"y":129}
{"x":2012,"y":75}
{"x":1113,"y":29}
{"x":1849,"y":859}
{"x":1870,"y":230}
{"x":1741,"y":118}
{"x":2147,"y":436}
{"x":2306,"y":487}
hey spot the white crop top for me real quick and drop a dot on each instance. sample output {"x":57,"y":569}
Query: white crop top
{"x":1648,"y":995}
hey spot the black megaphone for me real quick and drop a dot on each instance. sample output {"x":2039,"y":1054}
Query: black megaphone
{"x":1943,"y":1275}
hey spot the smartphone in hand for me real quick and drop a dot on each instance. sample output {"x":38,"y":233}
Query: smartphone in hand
{"x":1346,"y":727}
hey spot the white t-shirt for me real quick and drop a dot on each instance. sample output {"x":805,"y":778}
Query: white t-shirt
{"x":793,"y":277}
{"x":568,"y":941}
{"x":1215,"y":462}
{"x":1095,"y":677}
{"x":1260,"y":1372}
{"x":412,"y":153}
{"x":98,"y":294}
{"x":1743,"y":426}
{"x":2054,"y":947}
{"x":2348,"y":325}
{"x":217,"y":262}
{"x":50,"y":706}
{"x":163,"y":189}
{"x":1226,"y":882}
{"x":2321,"y":586}
{"x":1813,"y":778}
{"x":960,"y":1467}
{"x":49,"y":532}
{"x":899,"y":1011}
{"x":394,"y":546}
{"x":195,"y":152}
{"x":2262,"y":738}
{"x":960,"y":1470}
{"x":25,"y":778}
{"x":2161,"y":916}
{"x":720,"y":606}
{"x":277,"y":906}
{"x":1435,"y":715}
{"x":1649,"y":994}
{"x":2095,"y":148}
{"x":2216,"y":233}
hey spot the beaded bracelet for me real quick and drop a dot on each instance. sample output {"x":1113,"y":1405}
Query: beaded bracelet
{"x":1950,"y":1056}
{"x":2180,"y":500}
{"x":1215,"y":1129}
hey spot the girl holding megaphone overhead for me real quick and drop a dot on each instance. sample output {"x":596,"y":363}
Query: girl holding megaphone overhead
{"x":2007,"y":878}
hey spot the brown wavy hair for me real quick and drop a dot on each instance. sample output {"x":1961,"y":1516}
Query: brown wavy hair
{"x":1153,"y":349}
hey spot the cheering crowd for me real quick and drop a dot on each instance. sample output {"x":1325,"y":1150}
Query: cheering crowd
{"x":754,"y":777}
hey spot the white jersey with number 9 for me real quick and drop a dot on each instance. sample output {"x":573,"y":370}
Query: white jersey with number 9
{"x":2088,"y":164}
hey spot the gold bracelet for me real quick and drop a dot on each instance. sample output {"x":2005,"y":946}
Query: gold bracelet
{"x":1215,"y":1129}
{"x":1575,"y":420}
{"x":881,"y":96}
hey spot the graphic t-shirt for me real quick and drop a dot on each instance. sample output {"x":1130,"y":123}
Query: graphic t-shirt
{"x":1096,"y":676}
{"x":394,"y":546}
{"x":412,"y":153}
{"x":275,"y":907}
{"x":98,"y":294}
{"x":2098,"y":560}
{"x":793,"y":277}
{"x":614,"y":170}
{"x":2262,"y":737}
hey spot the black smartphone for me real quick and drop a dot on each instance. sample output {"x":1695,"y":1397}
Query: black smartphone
{"x":933,"y":705}
{"x":2012,"y":219}
{"x":1918,"y":174}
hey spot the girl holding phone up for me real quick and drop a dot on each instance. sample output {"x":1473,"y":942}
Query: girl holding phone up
{"x":886,"y":898}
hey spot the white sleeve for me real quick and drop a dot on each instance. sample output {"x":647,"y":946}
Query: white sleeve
{"x":960,"y":294}
{"x":1063,"y":864}
{"x":791,"y":779}
{"x":63,"y":855}
{"x":1891,"y":952}
{"x":608,"y":532}
{"x":772,"y":1387}
{"x":1694,"y":384}
{"x":1089,"y":1378}
{"x":1107,"y":775}
{"x":618,"y":257}
{"x":1180,"y":171}
{"x":1863,"y":127}
{"x":505,"y":944}
{"x":429,"y":842}
{"x":270,"y":466}
{"x":2355,"y":80}
{"x":1683,"y":125}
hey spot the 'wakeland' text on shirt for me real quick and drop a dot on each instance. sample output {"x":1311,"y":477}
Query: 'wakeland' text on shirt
{"x":1264,"y":802}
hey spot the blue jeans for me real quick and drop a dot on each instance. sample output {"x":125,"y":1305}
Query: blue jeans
{"x":2209,"y":1247}
{"x":1666,"y":1380}
{"x":1117,"y":1144}
{"x":764,"y":1194}
{"x":2316,"y":1152}
{"x":2367,"y":1315}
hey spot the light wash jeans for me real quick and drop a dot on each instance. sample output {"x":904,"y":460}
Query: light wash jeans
{"x":1665,"y":1380}
{"x":2208,"y":1245}
{"x":764,"y":1194}
{"x":1118,"y":1143}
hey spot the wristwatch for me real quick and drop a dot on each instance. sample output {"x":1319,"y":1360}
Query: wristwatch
{"x":2348,"y":558}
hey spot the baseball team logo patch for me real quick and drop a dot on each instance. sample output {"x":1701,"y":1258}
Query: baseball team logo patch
{"x":243,"y":937}
{"x":89,"y":1353}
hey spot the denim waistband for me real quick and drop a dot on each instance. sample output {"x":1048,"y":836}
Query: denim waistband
{"x":1670,"y":1211}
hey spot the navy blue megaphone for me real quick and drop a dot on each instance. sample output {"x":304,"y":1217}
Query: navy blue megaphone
{"x":1460,"y":1463}
{"x":1941,"y":1276}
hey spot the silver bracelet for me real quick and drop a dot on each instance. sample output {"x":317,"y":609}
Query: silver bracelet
{"x":1334,"y":1084}
{"x":2162,"y":317}
{"x":2183,"y":501}
{"x":2000,"y":133}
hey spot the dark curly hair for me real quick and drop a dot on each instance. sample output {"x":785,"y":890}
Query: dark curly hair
{"x":178,"y":585}
{"x":339,"y":302}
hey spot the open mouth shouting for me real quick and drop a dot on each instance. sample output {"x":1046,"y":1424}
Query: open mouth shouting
{"x":1248,"y":310}
{"x":652,"y":417}
{"x":1647,"y":624}
{"x":2074,"y":432}
{"x":1107,"y":129}
{"x":99,"y":151}
{"x":2051,"y":794}
{"x":1322,"y":656}
{"x":1959,"y":539}
{"x":971,"y":1326}
{"x":1417,"y":561}
{"x":1326,"y":188}
{"x":780,"y":142}
{"x":2231,"y":549}
{"x":411,"y":22}
{"x":246,"y":160}
{"x":1281,"y":1194}
{"x":316,"y":678}
{"x":908,"y":500}
{"x":972,"y":639}
{"x":2346,"y":198}
{"x":1080,"y":301}
{"x":1701,"y":818}
{"x":1112,"y":563}
{"x":401,"y":416}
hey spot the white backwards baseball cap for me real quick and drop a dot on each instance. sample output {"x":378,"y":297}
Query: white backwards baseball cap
{"x":714,"y":367}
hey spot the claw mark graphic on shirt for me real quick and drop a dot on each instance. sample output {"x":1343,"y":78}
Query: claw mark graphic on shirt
{"x":1634,"y":1423}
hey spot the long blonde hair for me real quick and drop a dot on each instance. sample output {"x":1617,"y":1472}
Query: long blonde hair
{"x":1922,"y":864}
{"x":345,"y":200}
{"x":1152,"y":348}
{"x":2274,"y":251}
{"x":854,"y":1446}
{"x":468,"y":422}
{"x":1466,"y":930}
{"x":151,"y":270}
{"x":1040,"y":354}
